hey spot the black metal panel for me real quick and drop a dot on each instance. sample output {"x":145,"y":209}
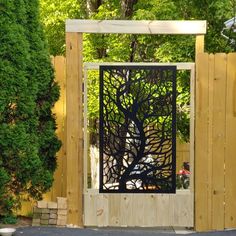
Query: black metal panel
{"x":137,"y":129}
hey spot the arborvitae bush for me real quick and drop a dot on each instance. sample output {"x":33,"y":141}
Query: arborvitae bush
{"x":28,"y":143}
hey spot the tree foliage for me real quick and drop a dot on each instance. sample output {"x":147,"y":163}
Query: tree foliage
{"x":144,"y":48}
{"x":27,"y":126}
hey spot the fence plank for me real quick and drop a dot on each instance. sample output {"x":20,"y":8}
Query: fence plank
{"x":114,"y":210}
{"x":59,"y":185}
{"x":218,"y":140}
{"x":74,"y":125}
{"x":211,"y":73}
{"x":230,"y":160}
{"x":201,"y":143}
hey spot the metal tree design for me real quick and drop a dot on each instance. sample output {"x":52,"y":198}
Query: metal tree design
{"x":137,"y":128}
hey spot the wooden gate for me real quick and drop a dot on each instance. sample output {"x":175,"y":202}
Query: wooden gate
{"x":142,"y":209}
{"x":215,"y":142}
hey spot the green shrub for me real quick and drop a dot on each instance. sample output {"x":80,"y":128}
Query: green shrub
{"x":9,"y":219}
{"x":28,"y":143}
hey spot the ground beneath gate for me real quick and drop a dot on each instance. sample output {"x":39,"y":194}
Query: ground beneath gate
{"x":23,"y":228}
{"x":53,"y":231}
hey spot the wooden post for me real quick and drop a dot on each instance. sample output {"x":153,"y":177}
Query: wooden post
{"x":201,"y":139}
{"x":74,"y":121}
{"x":199,"y":45}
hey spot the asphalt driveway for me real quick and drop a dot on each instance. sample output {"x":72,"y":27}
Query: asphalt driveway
{"x":53,"y":231}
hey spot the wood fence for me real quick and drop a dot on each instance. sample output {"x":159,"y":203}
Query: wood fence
{"x":59,"y":186}
{"x":215,"y":142}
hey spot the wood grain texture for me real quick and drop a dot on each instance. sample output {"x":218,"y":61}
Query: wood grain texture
{"x":179,"y":65}
{"x":211,"y":73}
{"x":136,"y":27}
{"x":230,"y":151}
{"x":59,"y":185}
{"x":140,"y":210}
{"x":218,"y":140}
{"x":74,"y":124}
{"x":199,"y":45}
{"x":201,"y":143}
{"x":192,"y":126}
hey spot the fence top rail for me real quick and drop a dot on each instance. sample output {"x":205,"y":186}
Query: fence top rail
{"x":179,"y":65}
{"x":191,"y":27}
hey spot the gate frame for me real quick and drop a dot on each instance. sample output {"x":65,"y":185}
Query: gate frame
{"x":74,"y":88}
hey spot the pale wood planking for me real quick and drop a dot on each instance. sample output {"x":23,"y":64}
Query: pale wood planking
{"x":74,"y":128}
{"x":211,"y":74}
{"x":59,"y":185}
{"x":218,"y":140}
{"x":126,"y":212}
{"x":182,"y":209}
{"x":114,"y":210}
{"x":138,"y":203}
{"x":102,"y":210}
{"x":201,"y":143}
{"x":150,"y":210}
{"x":230,"y":160}
{"x":86,"y":136}
{"x":199,"y":45}
{"x":163,"y":210}
{"x":136,"y":27}
{"x":90,"y":214}
{"x":179,"y":65}
{"x":142,"y":210}
{"x":192,"y":126}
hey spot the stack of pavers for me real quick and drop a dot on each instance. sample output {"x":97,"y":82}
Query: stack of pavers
{"x":50,"y":213}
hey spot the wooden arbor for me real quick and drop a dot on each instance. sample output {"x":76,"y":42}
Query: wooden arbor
{"x":74,"y":51}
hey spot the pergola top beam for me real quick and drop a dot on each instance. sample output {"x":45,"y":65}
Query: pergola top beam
{"x":136,"y":27}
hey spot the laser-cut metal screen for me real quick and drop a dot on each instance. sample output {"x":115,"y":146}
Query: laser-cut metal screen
{"x":137,"y":129}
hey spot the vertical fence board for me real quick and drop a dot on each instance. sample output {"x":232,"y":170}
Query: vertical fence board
{"x":74,"y":127}
{"x":201,"y":143}
{"x":183,"y":210}
{"x":59,"y":185}
{"x":211,"y":73}
{"x":114,"y":210}
{"x":126,"y":210}
{"x":91,"y":211}
{"x":163,"y":208}
{"x":218,"y":141}
{"x":102,"y":210}
{"x":149,"y":210}
{"x":230,"y":158}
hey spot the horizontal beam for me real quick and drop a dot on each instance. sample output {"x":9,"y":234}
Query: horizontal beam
{"x":179,"y":65}
{"x":136,"y":27}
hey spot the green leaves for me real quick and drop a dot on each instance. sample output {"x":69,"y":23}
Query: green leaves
{"x":140,"y":48}
{"x":28,"y":143}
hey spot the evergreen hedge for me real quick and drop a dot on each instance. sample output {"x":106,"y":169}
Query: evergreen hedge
{"x":28,"y":143}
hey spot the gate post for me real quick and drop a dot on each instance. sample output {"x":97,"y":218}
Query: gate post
{"x":74,"y":127}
